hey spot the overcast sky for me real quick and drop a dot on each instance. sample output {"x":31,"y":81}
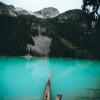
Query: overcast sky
{"x":35,"y":5}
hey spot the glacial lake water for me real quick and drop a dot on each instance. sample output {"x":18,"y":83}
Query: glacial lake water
{"x":25,"y":79}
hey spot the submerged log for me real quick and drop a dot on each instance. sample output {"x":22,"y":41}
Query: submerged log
{"x":59,"y":97}
{"x":47,"y":90}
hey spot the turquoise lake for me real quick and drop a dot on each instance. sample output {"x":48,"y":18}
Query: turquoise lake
{"x":25,"y":79}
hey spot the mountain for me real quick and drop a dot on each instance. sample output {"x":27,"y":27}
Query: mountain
{"x":73,"y":25}
{"x":66,"y":35}
{"x":45,"y":13}
{"x":7,"y":9}
{"x":11,"y":10}
{"x":22,"y":11}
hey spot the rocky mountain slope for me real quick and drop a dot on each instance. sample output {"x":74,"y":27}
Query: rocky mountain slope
{"x":7,"y":9}
{"x":67,"y":35}
{"x":45,"y":13}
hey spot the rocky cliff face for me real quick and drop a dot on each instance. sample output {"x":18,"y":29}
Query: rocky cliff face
{"x":67,"y":35}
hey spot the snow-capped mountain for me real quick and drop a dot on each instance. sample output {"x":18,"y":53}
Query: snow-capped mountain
{"x":45,"y":13}
{"x":7,"y":9}
{"x":11,"y":10}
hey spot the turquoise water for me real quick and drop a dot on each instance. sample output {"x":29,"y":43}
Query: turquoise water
{"x":25,"y":79}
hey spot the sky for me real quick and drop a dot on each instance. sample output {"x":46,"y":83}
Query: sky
{"x":35,"y":5}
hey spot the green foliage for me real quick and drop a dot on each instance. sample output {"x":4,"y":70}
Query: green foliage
{"x":92,"y":3}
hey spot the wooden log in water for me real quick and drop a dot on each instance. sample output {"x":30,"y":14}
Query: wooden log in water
{"x":47,"y":90}
{"x":59,"y":97}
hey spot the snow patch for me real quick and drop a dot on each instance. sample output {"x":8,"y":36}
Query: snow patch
{"x":41,"y":45}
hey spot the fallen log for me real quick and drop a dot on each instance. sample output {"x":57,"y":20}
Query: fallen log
{"x":47,"y":90}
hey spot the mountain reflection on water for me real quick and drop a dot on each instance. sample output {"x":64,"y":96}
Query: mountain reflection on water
{"x":25,"y":79}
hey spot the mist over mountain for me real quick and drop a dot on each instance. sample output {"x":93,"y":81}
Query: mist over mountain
{"x":47,"y":33}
